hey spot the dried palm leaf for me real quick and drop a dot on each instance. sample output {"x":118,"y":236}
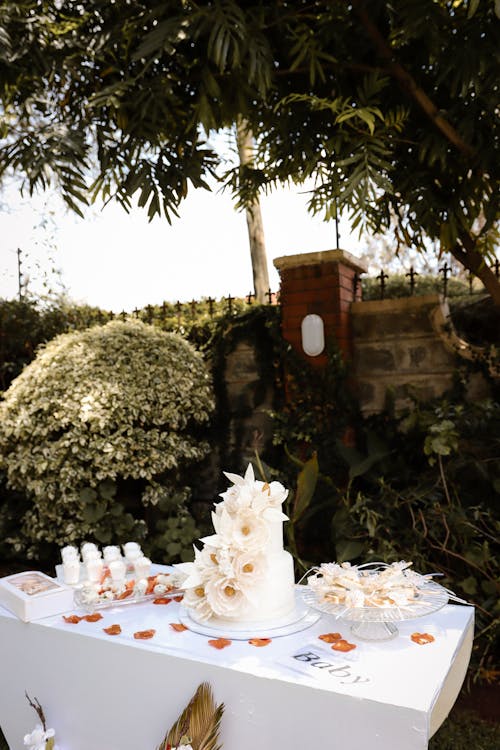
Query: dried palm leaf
{"x":198,"y":725}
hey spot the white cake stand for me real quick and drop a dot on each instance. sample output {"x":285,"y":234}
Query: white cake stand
{"x":379,"y":623}
{"x":301,"y":618}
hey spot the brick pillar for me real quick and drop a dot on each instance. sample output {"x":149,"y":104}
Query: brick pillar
{"x":321,"y":283}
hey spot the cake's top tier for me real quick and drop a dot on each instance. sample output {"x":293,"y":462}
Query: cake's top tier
{"x":249,"y":517}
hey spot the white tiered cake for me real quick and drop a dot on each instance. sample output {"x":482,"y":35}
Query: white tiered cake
{"x":242,"y":575}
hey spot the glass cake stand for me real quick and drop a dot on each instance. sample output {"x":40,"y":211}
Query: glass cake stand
{"x":379,"y":623}
{"x":301,"y":618}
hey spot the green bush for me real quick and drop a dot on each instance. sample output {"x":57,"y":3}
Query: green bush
{"x":422,"y":487}
{"x":96,"y":429}
{"x":398,"y":285}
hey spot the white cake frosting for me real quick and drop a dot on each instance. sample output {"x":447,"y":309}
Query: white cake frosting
{"x":242,"y":575}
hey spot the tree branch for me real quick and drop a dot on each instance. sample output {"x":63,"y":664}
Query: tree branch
{"x":466,"y":253}
{"x":408,"y":83}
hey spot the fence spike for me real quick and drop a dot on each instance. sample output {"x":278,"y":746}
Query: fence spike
{"x":445,"y":270}
{"x":382,"y":277}
{"x":412,"y":274}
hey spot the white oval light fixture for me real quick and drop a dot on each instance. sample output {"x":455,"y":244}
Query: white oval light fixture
{"x":313,"y":335}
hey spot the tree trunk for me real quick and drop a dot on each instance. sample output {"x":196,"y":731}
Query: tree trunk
{"x":475,"y":262}
{"x":255,"y":226}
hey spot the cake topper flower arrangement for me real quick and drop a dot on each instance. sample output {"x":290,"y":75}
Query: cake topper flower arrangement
{"x":232,"y":562}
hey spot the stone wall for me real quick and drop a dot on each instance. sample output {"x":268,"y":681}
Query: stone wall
{"x":406,"y":347}
{"x":244,"y":425}
{"x":249,"y":400}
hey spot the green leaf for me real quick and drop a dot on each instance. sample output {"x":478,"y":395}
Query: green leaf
{"x":103,"y":535}
{"x":107,"y":489}
{"x":306,"y":485}
{"x":93,"y":513}
{"x":469,"y":585}
{"x":346,"y":550}
{"x":88,"y":495}
{"x":173,"y":548}
{"x":489,"y":587}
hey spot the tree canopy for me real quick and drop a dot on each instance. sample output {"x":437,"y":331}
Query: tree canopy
{"x":392,"y":108}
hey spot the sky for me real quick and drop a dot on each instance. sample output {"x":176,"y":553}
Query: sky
{"x":119,"y":261}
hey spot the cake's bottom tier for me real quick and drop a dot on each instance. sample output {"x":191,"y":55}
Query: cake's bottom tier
{"x":274,"y":597}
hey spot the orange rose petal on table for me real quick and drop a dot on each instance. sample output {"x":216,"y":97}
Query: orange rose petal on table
{"x":113,"y":630}
{"x":151,"y":584}
{"x":178,"y":627}
{"x":162,"y":600}
{"x":178,"y":598}
{"x":422,"y":638}
{"x":330,"y":637}
{"x":143,"y":635}
{"x":220,"y":643}
{"x":343,"y":646}
{"x":106,"y":574}
{"x":92,"y":618}
{"x":259,"y":641}
{"x":125,"y":594}
{"x":73,"y":619}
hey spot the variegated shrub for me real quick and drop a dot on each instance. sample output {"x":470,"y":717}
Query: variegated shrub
{"x":112,"y":403}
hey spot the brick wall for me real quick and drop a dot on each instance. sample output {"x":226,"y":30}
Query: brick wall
{"x":324,"y":284}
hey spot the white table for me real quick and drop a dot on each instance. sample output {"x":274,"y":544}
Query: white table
{"x":102,"y":692}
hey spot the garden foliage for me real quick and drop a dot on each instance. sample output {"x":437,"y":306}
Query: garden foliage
{"x":26,"y":323}
{"x":421,"y":486}
{"x":95,"y":430}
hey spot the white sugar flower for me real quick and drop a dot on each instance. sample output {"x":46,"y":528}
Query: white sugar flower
{"x":224,"y":559}
{"x":250,"y":532}
{"x":196,"y":600}
{"x":245,"y":530}
{"x":204,"y":565}
{"x":36,"y":740}
{"x":250,"y":492}
{"x":224,"y":596}
{"x":249,"y":568}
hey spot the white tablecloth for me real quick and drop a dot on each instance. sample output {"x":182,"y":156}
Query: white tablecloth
{"x":102,"y":692}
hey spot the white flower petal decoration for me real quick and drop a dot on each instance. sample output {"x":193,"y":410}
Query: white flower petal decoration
{"x":224,"y":596}
{"x":215,"y":541}
{"x":274,"y":515}
{"x":196,"y":600}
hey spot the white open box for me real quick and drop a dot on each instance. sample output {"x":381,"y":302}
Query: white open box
{"x":32,"y":595}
